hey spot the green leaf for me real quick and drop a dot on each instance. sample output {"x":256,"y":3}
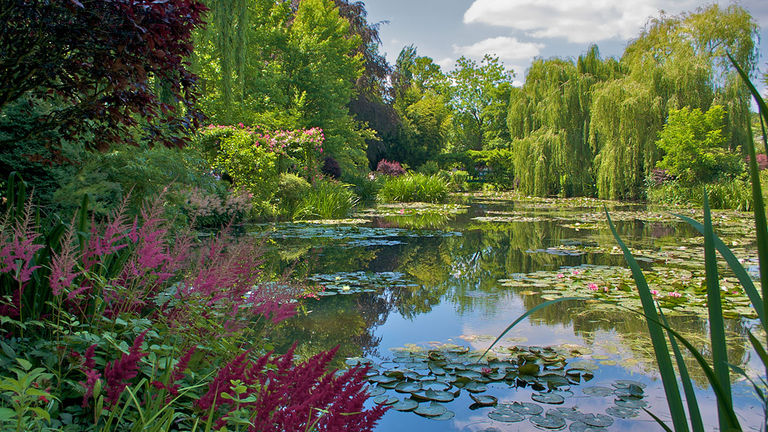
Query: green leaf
{"x":737,"y":268}
{"x":25,"y":364}
{"x":663,"y":359}
{"x":716,"y":324}
{"x":42,"y":413}
{"x":525,"y":315}
{"x":694,"y":414}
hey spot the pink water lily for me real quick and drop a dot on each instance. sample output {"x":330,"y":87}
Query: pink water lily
{"x":560,"y":275}
{"x":675,"y":294}
{"x":593,"y":287}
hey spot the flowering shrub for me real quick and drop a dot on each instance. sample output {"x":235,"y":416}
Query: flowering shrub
{"x":390,"y":168}
{"x":210,"y":210}
{"x":254,"y":158}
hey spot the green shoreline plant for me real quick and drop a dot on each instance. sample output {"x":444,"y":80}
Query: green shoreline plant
{"x":718,"y":372}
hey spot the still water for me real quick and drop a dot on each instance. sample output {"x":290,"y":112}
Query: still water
{"x":425,"y":290}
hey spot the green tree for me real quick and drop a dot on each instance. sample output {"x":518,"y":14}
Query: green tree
{"x":695,"y":146}
{"x":298,"y":70}
{"x":677,"y":61}
{"x":473,"y":89}
{"x":420,"y":101}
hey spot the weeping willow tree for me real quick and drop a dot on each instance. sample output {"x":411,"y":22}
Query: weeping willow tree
{"x":221,"y":52}
{"x":677,"y":61}
{"x":548,"y":121}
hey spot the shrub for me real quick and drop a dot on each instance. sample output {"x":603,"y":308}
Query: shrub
{"x":215,"y":210}
{"x":328,"y":199}
{"x":733,"y":194}
{"x":331,"y":168}
{"x":458,"y":180}
{"x":695,"y":146}
{"x":417,"y":187}
{"x":390,"y":168}
{"x":366,"y":187}
{"x":291,"y":190}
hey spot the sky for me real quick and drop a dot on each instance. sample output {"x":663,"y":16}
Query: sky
{"x":517,"y":31}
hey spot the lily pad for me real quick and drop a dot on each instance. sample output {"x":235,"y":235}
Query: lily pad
{"x":622,"y":412}
{"x":525,"y":408}
{"x":385,"y":400}
{"x":484,"y":400}
{"x":434,"y":409}
{"x":597,"y":391}
{"x":578,"y":426}
{"x":444,"y":416}
{"x":505,"y":416}
{"x":405,"y":405}
{"x":407,"y":387}
{"x":548,"y":421}
{"x":597,"y":420}
{"x":548,"y":398}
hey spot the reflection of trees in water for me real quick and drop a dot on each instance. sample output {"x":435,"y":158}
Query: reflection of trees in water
{"x":346,"y":320}
{"x":632,"y":331}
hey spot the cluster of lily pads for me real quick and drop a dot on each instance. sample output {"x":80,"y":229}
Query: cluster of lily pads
{"x":678,"y":290}
{"x":359,"y":282}
{"x":422,"y":381}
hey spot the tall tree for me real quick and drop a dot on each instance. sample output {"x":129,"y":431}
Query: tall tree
{"x":473,"y":89}
{"x":677,"y":61}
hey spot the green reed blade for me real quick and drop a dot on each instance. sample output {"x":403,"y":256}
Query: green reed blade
{"x":663,"y":359}
{"x":733,"y":263}
{"x":761,"y":227}
{"x":658,"y":420}
{"x":694,"y":414}
{"x":525,"y":315}
{"x":716,"y":324}
{"x":758,"y":347}
{"x":733,"y":421}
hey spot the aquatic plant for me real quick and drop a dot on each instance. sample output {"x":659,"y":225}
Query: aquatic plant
{"x":412,"y":188}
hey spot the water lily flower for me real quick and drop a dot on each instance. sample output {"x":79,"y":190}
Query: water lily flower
{"x":402,"y":211}
{"x":675,"y":294}
{"x":593,"y":287}
{"x":560,"y":275}
{"x":575,"y":272}
{"x":654,"y":292}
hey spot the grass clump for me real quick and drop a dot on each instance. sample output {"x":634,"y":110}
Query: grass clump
{"x":413,"y":188}
{"x":327,"y":199}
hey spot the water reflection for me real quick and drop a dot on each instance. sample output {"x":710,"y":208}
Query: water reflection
{"x":453,"y":286}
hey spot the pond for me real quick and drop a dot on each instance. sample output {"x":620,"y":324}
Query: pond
{"x":421,"y":291}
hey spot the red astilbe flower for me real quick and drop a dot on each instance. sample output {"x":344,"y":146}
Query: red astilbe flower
{"x":91,"y":374}
{"x":289,"y":396}
{"x":17,"y":253}
{"x":119,"y":372}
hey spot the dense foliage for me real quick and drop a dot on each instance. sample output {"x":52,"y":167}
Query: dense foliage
{"x":99,"y":67}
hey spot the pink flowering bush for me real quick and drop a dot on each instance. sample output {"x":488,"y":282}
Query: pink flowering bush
{"x":390,"y":168}
{"x":254,"y":157}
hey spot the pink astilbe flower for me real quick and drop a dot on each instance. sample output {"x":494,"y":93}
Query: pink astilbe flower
{"x":91,"y":374}
{"x":64,"y":262}
{"x":18,"y":247}
{"x":288,"y":396}
{"x":119,"y":372}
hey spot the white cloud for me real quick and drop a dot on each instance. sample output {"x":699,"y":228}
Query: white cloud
{"x":578,"y":21}
{"x":445,"y":63}
{"x":506,"y":48}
